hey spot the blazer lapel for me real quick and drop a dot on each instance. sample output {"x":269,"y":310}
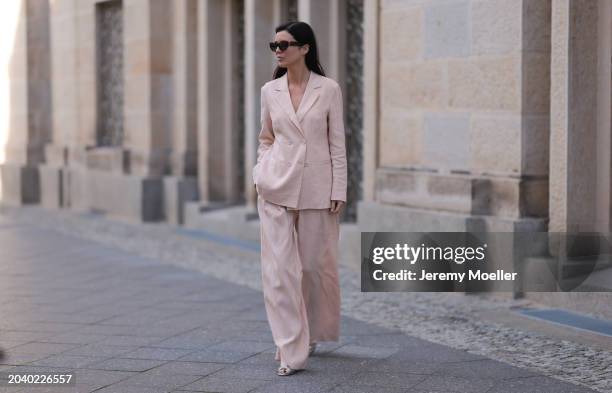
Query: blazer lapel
{"x":283,"y":98}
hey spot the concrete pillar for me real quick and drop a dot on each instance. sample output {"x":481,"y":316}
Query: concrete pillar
{"x":328,"y":20}
{"x":574,"y":114}
{"x":73,"y":98}
{"x":185,"y":121}
{"x":148,"y":85}
{"x":73,"y":79}
{"x":181,"y":185}
{"x":370,"y":96}
{"x":28,"y":101}
{"x":260,"y":19}
{"x":281,"y":13}
{"x":604,"y":118}
{"x":218,"y":101}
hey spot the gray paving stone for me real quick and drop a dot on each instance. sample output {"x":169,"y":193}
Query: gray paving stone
{"x":201,"y":332}
{"x":27,"y":336}
{"x":350,"y":388}
{"x":456,"y":384}
{"x":283,"y":386}
{"x":119,"y":364}
{"x":66,"y":318}
{"x":334,"y":370}
{"x":142,"y":318}
{"x":14,"y":358}
{"x":252,"y":335}
{"x":413,"y":367}
{"x":162,"y":331}
{"x":166,"y":381}
{"x":236,"y":384}
{"x":188,"y":368}
{"x":157,"y":353}
{"x":390,"y":340}
{"x":262,"y":358}
{"x":182,"y":342}
{"x":43,"y":348}
{"x":378,"y":378}
{"x":216,"y":356}
{"x":49,"y":327}
{"x":8,"y":344}
{"x":247,"y":371}
{"x":36,"y":369}
{"x":108,"y":330}
{"x":64,"y":360}
{"x":97,"y":349}
{"x":101,"y":378}
{"x":76,"y":388}
{"x":75,"y":338}
{"x":126,"y":341}
{"x":132,"y":389}
{"x":11,"y":389}
{"x":352,"y":327}
{"x":242,"y":346}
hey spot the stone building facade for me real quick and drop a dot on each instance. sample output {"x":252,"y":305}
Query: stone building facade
{"x":461,"y":115}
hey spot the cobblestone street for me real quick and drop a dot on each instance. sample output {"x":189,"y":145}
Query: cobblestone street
{"x":155,"y":308}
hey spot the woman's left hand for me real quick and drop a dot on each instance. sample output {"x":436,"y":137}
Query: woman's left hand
{"x":336,"y":206}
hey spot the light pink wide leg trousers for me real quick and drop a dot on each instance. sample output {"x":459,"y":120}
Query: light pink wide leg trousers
{"x":299,"y":269}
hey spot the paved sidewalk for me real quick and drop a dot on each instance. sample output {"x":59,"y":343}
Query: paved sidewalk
{"x":124,"y":323}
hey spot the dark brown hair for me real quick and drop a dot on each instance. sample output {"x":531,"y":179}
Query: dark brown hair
{"x":302,"y":32}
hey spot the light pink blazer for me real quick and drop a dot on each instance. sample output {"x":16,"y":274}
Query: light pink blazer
{"x":301,"y":157}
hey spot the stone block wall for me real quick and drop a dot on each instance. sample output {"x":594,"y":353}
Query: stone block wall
{"x":464,"y":106}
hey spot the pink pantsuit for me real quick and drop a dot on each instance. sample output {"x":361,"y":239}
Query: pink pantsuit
{"x":301,"y":167}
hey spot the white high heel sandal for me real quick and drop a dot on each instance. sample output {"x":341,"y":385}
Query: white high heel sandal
{"x":284,"y":371}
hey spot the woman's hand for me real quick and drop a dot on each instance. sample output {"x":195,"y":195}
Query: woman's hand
{"x":336,"y":206}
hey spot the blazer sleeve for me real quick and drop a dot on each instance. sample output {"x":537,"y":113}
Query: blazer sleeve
{"x":337,"y":146}
{"x":266,"y":135}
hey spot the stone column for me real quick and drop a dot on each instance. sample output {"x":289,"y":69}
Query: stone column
{"x":261,"y":16}
{"x":282,"y":11}
{"x":148,"y":85}
{"x":370,"y":96}
{"x":604,"y":119}
{"x":28,"y":88}
{"x":327,"y":19}
{"x":573,"y":132}
{"x":185,"y":121}
{"x":604,"y":116}
{"x":70,"y":153}
{"x":580,"y":147}
{"x":181,"y":185}
{"x":218,"y":102}
{"x":73,"y":101}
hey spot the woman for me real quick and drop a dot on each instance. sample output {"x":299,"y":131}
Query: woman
{"x":301,"y":178}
